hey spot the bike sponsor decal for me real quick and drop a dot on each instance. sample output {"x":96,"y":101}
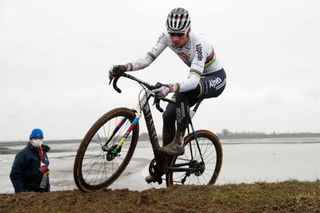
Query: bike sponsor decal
{"x":178,"y":113}
{"x":199,"y":52}
{"x":161,"y":38}
{"x":181,"y":113}
{"x":150,"y":124}
{"x":222,"y":84}
{"x":214,"y":82}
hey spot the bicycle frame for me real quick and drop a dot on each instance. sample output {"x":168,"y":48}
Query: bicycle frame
{"x":145,"y":108}
{"x":153,"y":136}
{"x":109,"y":145}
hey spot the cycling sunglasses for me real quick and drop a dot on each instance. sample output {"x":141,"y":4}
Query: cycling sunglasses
{"x":176,"y":34}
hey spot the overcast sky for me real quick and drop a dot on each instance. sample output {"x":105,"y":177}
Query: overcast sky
{"x":54,"y":57}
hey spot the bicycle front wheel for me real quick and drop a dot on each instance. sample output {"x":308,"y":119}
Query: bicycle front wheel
{"x":194,"y":169}
{"x":99,"y":162}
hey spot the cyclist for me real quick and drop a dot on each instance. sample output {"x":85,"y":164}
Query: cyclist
{"x":206,"y":78}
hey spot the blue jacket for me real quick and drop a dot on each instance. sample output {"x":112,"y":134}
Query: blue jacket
{"x":25,"y":174}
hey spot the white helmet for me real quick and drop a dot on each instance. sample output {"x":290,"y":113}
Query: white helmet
{"x":178,"y":21}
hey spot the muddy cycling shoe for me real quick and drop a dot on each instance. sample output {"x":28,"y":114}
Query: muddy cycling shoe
{"x":153,"y":179}
{"x":174,"y":148}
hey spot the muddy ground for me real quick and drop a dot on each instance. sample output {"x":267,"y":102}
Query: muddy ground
{"x":290,"y":196}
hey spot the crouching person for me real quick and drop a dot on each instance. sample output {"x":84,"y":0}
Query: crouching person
{"x":30,"y":171}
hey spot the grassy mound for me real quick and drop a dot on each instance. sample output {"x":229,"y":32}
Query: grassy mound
{"x":289,"y":196}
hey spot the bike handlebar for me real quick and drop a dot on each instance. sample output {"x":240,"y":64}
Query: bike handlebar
{"x":115,"y":80}
{"x":147,"y":85}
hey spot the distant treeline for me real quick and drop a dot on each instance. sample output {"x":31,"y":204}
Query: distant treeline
{"x":239,"y":135}
{"x":226,"y":134}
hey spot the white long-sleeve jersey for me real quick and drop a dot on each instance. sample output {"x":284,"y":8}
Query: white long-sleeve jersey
{"x":198,"y":54}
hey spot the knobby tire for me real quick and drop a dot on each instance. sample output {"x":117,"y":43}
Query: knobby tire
{"x":81,"y":182}
{"x":203,"y":136}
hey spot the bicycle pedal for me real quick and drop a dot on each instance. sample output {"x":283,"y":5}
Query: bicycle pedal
{"x":159,"y":181}
{"x":153,"y":179}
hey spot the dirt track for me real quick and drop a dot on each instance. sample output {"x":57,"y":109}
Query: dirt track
{"x":289,"y":196}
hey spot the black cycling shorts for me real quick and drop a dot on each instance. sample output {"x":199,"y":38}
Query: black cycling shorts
{"x":211,"y":85}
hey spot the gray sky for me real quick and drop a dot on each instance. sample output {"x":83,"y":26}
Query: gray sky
{"x":54,"y":57}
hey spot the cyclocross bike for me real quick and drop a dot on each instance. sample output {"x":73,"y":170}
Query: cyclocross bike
{"x":107,"y":148}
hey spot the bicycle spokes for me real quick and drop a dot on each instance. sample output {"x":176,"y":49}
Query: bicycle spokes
{"x":196,"y":141}
{"x":115,"y":149}
{"x":200,"y":163}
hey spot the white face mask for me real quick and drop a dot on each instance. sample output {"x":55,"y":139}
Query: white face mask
{"x":37,"y":142}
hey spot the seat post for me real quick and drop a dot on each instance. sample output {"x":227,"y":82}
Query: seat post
{"x":192,"y":113}
{"x":195,"y":108}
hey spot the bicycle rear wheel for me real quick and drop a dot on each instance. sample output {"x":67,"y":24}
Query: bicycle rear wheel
{"x":196,"y":171}
{"x":97,"y":166}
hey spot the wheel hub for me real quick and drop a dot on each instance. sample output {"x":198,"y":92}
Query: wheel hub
{"x":113,"y":152}
{"x":199,"y":168}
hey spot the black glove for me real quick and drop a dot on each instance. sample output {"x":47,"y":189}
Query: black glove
{"x":116,"y":71}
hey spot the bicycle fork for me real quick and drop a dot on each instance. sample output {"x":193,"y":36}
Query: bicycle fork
{"x":118,"y":147}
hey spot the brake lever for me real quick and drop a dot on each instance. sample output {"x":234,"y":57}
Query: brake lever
{"x":115,"y":80}
{"x":159,"y":107}
{"x":157,"y":103}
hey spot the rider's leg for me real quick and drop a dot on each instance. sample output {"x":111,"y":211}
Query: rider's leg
{"x":169,"y":116}
{"x":214,"y":84}
{"x":171,"y":138}
{"x":168,"y":133}
{"x":169,"y":124}
{"x":182,"y":116}
{"x":155,"y":177}
{"x":209,"y":86}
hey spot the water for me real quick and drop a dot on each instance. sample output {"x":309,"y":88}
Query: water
{"x":244,"y":161}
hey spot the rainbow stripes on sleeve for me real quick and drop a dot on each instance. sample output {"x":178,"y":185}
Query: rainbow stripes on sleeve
{"x":151,"y":56}
{"x":196,"y":73}
{"x":211,"y":58}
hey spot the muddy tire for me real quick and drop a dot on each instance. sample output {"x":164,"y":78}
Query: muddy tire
{"x":211,"y":150}
{"x":95,"y":166}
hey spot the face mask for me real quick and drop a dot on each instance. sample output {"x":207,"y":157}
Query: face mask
{"x":37,"y":142}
